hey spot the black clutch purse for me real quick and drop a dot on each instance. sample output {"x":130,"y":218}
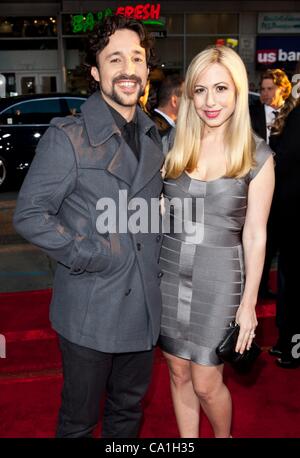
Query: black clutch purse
{"x":226,"y":350}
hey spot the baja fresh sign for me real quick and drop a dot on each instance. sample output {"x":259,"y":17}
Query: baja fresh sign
{"x":281,"y":52}
{"x":147,"y":13}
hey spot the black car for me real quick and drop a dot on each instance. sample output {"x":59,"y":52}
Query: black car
{"x":23,"y":120}
{"x":253,"y":98}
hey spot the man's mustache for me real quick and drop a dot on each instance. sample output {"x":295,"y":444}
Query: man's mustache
{"x":134,"y":78}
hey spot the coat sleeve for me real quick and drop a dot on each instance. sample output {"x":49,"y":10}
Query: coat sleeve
{"x":51,"y":179}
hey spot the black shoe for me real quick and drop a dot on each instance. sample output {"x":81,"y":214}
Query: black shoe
{"x":275,"y":351}
{"x":288,"y":363}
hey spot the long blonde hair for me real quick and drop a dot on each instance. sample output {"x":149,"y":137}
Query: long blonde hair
{"x":239,"y":141}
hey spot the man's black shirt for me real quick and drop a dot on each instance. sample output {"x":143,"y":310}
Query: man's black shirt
{"x":129,"y":130}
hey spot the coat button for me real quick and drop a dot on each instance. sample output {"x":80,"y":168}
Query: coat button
{"x":158,"y":238}
{"x":138,"y":246}
{"x":160,"y":274}
{"x":128,"y":292}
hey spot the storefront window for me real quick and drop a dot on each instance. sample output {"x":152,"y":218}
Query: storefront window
{"x":78,"y":43}
{"x":10,"y":83}
{"x":77,"y":81}
{"x":18,"y":27}
{"x":43,"y":44}
{"x":174,"y":23}
{"x":76,"y":73}
{"x":212,"y":23}
{"x":170,"y":52}
{"x":194,"y":45}
{"x":67,"y":27}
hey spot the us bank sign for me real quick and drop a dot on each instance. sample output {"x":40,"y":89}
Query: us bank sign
{"x":277,"y":52}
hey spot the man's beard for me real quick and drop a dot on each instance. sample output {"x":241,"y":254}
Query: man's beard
{"x":122,"y":99}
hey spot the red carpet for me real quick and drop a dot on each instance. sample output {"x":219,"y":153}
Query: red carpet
{"x":266,"y":403}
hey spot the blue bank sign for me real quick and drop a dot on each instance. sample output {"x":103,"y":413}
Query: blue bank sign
{"x":277,"y":52}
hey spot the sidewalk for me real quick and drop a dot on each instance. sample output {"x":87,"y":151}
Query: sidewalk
{"x":23,"y":267}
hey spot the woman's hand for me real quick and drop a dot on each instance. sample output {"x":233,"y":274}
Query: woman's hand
{"x":246,"y":319}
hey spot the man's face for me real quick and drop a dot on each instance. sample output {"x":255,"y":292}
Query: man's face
{"x":122,"y":70}
{"x":270,"y":94}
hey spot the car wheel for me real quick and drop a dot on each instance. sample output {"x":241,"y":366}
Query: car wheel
{"x":3,"y":172}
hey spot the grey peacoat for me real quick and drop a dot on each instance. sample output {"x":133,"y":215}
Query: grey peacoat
{"x":106,"y":293}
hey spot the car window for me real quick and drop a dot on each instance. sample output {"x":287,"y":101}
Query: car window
{"x":254,"y":98}
{"x":74,"y":105}
{"x":39,"y":111}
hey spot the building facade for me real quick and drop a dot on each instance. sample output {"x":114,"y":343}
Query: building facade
{"x":42,"y":42}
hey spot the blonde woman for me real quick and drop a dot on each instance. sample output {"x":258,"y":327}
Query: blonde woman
{"x":219,"y":181}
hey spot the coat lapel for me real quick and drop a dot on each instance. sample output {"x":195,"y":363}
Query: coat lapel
{"x":123,"y":164}
{"x":119,"y":160}
{"x":151,"y":156}
{"x":103,"y":133}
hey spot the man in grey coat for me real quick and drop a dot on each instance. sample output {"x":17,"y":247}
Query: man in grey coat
{"x":106,"y":299}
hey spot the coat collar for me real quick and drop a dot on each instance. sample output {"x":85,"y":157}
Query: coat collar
{"x":100,"y":126}
{"x":99,"y":122}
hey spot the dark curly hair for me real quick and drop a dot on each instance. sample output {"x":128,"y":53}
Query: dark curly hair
{"x":99,"y":39}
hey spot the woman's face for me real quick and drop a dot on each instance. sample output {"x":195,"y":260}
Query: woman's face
{"x":214,"y":95}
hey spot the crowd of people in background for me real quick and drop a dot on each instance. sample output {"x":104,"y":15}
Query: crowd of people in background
{"x":276,"y":118}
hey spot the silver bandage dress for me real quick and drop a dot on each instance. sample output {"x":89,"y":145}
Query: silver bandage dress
{"x":202,"y":260}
